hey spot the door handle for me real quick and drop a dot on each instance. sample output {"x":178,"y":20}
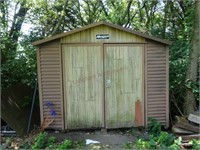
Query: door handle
{"x":108,"y":83}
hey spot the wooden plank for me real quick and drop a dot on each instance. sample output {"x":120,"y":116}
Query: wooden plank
{"x":84,"y":86}
{"x":177,"y":130}
{"x":89,"y":35}
{"x":190,"y":137}
{"x":167,"y":86}
{"x":145,"y":86}
{"x":123,"y":64}
{"x":40,"y":85}
{"x":194,"y":118}
{"x":187,"y":126}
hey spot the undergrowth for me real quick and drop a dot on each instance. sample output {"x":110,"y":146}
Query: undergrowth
{"x":159,"y":139}
{"x":42,"y":141}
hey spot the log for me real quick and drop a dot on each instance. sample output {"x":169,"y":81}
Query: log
{"x":181,"y":119}
{"x":190,"y":137}
{"x":187,"y":126}
{"x":177,"y":130}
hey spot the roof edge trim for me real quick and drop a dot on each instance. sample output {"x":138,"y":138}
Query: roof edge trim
{"x":48,"y":39}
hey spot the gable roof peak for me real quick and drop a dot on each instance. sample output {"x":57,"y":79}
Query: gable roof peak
{"x":48,"y":39}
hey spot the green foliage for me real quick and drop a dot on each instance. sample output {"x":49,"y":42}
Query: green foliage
{"x":163,"y":141}
{"x":158,"y":138}
{"x":79,"y":144}
{"x":40,"y":141}
{"x":20,"y":66}
{"x":154,"y":127}
{"x":195,"y":144}
{"x":66,"y":144}
{"x":128,"y":145}
{"x":142,"y":144}
{"x":172,"y":20}
{"x":176,"y":144}
{"x":51,"y":141}
{"x":194,"y":87}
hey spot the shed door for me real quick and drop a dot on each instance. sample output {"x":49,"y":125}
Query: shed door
{"x":83,"y":78}
{"x":123,"y":85}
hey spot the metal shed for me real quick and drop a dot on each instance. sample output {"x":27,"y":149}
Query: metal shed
{"x":103,"y":76}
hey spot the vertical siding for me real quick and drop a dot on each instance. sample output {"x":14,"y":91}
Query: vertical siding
{"x":83,"y":86}
{"x":124,"y":94}
{"x":89,"y":35}
{"x":156,"y":82}
{"x":50,"y":82}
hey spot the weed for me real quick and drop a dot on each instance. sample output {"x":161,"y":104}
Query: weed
{"x":128,"y":145}
{"x":51,"y":141}
{"x":195,"y":144}
{"x":79,"y":144}
{"x":40,"y":141}
{"x":154,"y":127}
{"x":142,"y":144}
{"x":66,"y":144}
{"x":176,"y":144}
{"x":166,"y":139}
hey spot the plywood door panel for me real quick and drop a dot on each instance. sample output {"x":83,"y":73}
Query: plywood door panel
{"x":124,"y":85}
{"x":83,"y":65}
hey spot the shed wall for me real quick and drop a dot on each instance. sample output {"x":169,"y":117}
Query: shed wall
{"x":157,"y":82}
{"x":50,"y":82}
{"x":156,"y":72}
{"x":89,"y":35}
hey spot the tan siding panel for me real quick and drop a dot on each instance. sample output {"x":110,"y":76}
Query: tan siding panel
{"x":156,"y":82}
{"x":83,"y":72}
{"x":50,"y":78}
{"x":124,"y":89}
{"x":89,"y":35}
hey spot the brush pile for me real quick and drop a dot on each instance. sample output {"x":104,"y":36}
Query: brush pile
{"x":187,"y":127}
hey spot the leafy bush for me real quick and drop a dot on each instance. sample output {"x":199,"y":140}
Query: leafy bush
{"x":195,"y":144}
{"x":161,"y":140}
{"x":51,"y":141}
{"x":40,"y":141}
{"x":128,"y":145}
{"x":165,"y":139}
{"x":66,"y":144}
{"x":43,"y":142}
{"x":142,"y":144}
{"x":79,"y":144}
{"x":154,"y":127}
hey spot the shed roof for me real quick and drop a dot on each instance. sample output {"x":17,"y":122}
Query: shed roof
{"x":97,"y":24}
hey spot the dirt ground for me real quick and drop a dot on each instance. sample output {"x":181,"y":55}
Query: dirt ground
{"x":112,"y":139}
{"x":108,"y":139}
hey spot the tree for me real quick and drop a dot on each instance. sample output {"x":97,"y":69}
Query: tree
{"x":169,"y":19}
{"x":192,"y":72}
{"x":10,"y":34}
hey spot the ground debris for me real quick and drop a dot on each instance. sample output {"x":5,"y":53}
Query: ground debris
{"x":194,"y":117}
{"x":186,"y":127}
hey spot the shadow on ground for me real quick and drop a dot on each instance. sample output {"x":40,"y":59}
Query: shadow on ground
{"x":110,"y":139}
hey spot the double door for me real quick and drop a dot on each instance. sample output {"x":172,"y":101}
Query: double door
{"x":103,"y":85}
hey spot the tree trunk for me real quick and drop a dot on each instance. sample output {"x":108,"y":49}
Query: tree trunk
{"x":190,"y":102}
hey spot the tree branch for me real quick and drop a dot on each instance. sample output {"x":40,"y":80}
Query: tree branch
{"x":55,"y":31}
{"x":18,"y":20}
{"x":104,"y":9}
{"x":128,"y":12}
